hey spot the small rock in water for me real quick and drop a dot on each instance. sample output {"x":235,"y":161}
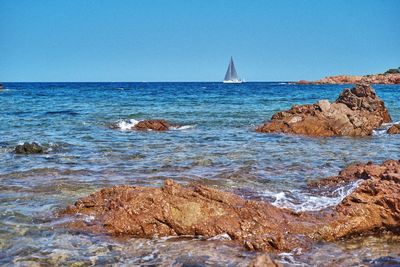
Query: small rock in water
{"x":136,"y":156}
{"x":29,"y":148}
{"x":144,"y":125}
{"x":394,"y":129}
{"x":155,"y":125}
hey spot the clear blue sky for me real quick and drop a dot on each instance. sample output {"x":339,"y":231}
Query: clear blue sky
{"x":192,"y":40}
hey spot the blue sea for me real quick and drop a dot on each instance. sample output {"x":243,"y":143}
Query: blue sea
{"x":215,"y":145}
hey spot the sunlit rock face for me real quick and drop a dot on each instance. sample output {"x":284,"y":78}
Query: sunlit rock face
{"x":356,"y":112}
{"x":196,"y":210}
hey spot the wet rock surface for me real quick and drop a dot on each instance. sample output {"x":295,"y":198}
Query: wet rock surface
{"x":356,"y":112}
{"x":29,"y":148}
{"x":264,"y":260}
{"x":394,"y":129}
{"x":154,"y":125}
{"x":174,"y":210}
{"x":196,"y":210}
{"x":374,"y":206}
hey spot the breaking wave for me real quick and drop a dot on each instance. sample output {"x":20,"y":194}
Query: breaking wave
{"x":125,"y":125}
{"x":183,"y":127}
{"x":298,"y":200}
{"x":383,"y":128}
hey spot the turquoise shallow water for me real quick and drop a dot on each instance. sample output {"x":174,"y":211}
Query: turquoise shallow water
{"x":217,"y":147}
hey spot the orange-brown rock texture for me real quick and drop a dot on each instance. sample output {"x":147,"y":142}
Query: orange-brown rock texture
{"x":154,"y":125}
{"x":394,"y":129}
{"x":373,"y":207}
{"x":352,"y":79}
{"x":196,"y":210}
{"x":356,"y":112}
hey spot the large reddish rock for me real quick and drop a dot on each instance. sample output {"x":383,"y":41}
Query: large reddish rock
{"x":174,"y":210}
{"x":385,"y":78}
{"x":356,"y":112}
{"x":196,"y":210}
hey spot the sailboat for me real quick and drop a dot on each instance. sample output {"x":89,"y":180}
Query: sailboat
{"x":231,"y":75}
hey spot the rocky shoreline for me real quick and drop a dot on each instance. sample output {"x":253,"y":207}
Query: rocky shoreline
{"x":251,"y":198}
{"x":197,"y":210}
{"x":390,"y":77}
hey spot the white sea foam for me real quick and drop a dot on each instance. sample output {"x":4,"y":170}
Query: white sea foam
{"x":288,"y":258}
{"x":383,"y":128}
{"x":89,"y":219}
{"x":125,"y":125}
{"x":300,"y":201}
{"x":220,"y":237}
{"x":184,"y":127}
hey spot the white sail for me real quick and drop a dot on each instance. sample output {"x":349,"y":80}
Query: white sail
{"x":231,"y":75}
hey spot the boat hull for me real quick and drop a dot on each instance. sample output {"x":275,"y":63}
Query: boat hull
{"x":232,"y":81}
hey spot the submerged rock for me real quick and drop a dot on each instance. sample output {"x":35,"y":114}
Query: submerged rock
{"x":356,"y":112}
{"x":394,"y":129}
{"x":29,"y":148}
{"x":264,"y":260}
{"x":196,"y":210}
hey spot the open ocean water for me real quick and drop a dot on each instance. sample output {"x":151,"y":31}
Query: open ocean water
{"x":216,"y":145}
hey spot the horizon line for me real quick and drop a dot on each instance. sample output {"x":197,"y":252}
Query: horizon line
{"x":259,"y":81}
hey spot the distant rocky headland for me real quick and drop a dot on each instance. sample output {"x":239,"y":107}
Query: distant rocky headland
{"x":391,"y":76}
